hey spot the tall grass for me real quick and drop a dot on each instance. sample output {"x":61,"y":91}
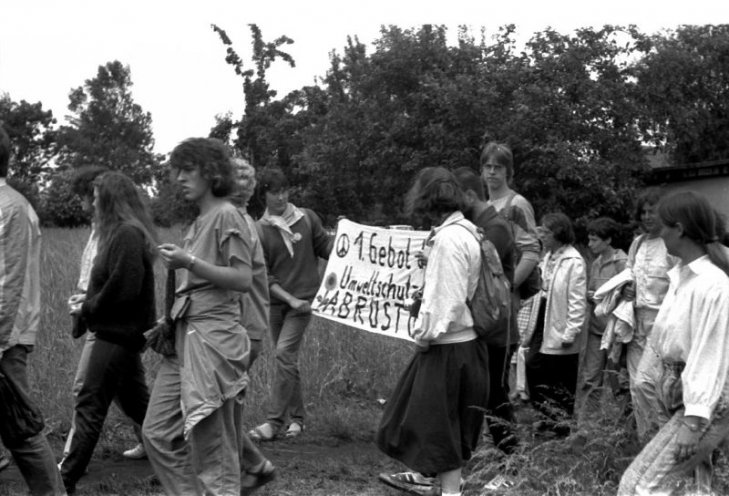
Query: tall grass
{"x":344,"y":372}
{"x":339,"y":366}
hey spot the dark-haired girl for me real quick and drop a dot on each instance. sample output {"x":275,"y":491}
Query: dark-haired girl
{"x":432,"y":421}
{"x":119,"y":306}
{"x":687,"y":353}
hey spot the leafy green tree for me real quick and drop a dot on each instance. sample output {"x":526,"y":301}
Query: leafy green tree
{"x":108,"y":128}
{"x":571,"y":120}
{"x":683,"y":86}
{"x":564,"y":104}
{"x":60,"y":206}
{"x":32,"y":138}
{"x":259,"y":134}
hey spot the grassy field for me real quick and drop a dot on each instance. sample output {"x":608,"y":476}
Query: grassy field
{"x":345,"y":374}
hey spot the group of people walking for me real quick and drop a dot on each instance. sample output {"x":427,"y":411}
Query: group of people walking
{"x":663,"y":308}
{"x":231,"y":279}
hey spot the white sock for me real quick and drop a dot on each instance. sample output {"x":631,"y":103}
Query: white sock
{"x":451,"y":494}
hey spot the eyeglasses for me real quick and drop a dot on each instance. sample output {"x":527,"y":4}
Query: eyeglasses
{"x":494,"y":167}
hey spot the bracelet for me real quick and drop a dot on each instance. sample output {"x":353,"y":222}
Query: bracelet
{"x":691,"y":427}
{"x":191,"y":263}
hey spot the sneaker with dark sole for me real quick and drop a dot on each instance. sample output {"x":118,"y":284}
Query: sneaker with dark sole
{"x":412,"y":482}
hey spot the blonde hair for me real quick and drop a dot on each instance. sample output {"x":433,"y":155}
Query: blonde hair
{"x":246,"y":182}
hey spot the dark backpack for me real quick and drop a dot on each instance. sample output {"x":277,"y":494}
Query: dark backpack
{"x":516,"y":218}
{"x":491,"y":303}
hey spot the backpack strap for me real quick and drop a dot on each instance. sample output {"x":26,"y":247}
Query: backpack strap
{"x":509,"y":199}
{"x":639,"y":241}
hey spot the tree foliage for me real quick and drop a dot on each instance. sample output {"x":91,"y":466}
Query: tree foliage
{"x":108,"y":128}
{"x":60,"y":206}
{"x":684,"y":92}
{"x":32,"y":138}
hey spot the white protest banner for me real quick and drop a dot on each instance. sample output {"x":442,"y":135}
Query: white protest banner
{"x":370,"y":273}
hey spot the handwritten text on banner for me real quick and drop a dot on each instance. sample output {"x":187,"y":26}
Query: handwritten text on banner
{"x":370,"y":273}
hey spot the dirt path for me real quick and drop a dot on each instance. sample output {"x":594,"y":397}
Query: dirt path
{"x":312,"y":465}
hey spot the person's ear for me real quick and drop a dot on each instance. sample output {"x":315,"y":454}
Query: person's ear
{"x":680,"y":229}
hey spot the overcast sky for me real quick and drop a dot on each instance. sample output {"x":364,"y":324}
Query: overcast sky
{"x":48,"y":47}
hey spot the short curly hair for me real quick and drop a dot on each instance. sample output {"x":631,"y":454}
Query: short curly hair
{"x":561,"y":227}
{"x":212,"y":157}
{"x":604,"y":228}
{"x":435,"y":192}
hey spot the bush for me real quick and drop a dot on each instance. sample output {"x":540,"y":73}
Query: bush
{"x":170,"y":207}
{"x":60,"y":206}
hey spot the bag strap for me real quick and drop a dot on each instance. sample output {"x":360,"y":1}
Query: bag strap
{"x":509,"y":199}
{"x":638,"y":244}
{"x":170,"y":287}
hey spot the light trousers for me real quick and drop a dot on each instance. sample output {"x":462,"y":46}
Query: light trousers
{"x":209,"y":462}
{"x":287,"y":332}
{"x":643,"y":401}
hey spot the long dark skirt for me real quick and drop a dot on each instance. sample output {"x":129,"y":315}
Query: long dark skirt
{"x":433,"y":420}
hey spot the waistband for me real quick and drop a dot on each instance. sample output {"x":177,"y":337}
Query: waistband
{"x":467,"y":334}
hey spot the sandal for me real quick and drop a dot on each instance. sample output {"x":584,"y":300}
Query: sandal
{"x":264,"y":432}
{"x":253,"y":480}
{"x":294,"y":430}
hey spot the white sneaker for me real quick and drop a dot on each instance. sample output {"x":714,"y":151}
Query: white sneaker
{"x":136,"y":453}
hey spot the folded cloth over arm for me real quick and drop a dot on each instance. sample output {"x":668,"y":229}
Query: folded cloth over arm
{"x":620,"y":313}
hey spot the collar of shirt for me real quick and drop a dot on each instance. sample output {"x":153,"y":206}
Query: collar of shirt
{"x":697,"y":267}
{"x":3,"y":181}
{"x":451,"y":219}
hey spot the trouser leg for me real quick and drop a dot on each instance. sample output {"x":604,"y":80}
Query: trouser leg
{"x":78,"y":381}
{"x":108,"y":363}
{"x":639,"y":395}
{"x":133,"y":395}
{"x":288,"y":328}
{"x":33,"y":456}
{"x":593,"y":367}
{"x":256,"y":347}
{"x":215,"y":454}
{"x":499,"y":405}
{"x":655,"y":469}
{"x":162,"y":431}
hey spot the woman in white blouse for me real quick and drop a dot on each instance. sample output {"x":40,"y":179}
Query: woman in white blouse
{"x":689,"y":351}
{"x":433,"y":419}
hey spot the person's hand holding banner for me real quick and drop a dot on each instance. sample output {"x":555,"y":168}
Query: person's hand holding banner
{"x":371,"y":273}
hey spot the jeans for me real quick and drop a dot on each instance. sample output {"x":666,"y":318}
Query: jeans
{"x":33,"y":456}
{"x":112,"y":371}
{"x":78,"y":382}
{"x":287,"y":332}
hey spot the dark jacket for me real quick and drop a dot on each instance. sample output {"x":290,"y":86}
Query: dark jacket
{"x":299,"y":275}
{"x":497,"y":230}
{"x":120,"y":300}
